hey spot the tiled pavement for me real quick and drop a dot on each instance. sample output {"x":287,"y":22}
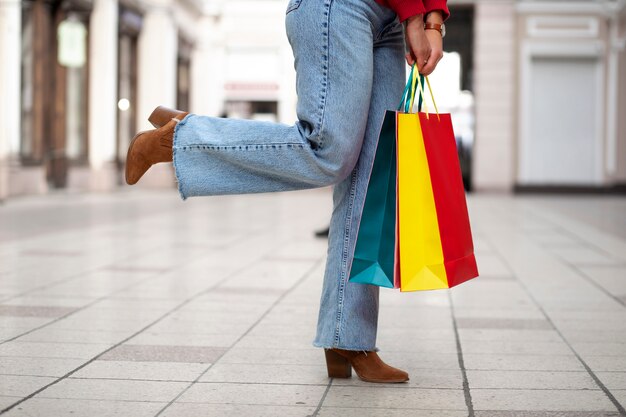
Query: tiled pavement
{"x":138,"y":304}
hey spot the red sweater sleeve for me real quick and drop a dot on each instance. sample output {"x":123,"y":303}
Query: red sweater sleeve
{"x":407,"y":8}
{"x":404,"y":8}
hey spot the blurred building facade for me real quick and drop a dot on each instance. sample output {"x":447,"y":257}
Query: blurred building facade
{"x":79,"y":77}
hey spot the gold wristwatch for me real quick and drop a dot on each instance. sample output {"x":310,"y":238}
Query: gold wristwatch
{"x":436,"y":26}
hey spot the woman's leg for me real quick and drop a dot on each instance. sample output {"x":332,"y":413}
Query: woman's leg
{"x":332,"y":41}
{"x":348,"y":315}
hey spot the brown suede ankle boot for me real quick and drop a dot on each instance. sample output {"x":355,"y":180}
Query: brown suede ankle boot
{"x":367,"y":365}
{"x":148,"y":148}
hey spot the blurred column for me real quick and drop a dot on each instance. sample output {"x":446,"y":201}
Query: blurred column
{"x":207,"y":69}
{"x":158,"y":49}
{"x":103,"y":37}
{"x":494,"y":75}
{"x":10,"y":57}
{"x":287,"y":94}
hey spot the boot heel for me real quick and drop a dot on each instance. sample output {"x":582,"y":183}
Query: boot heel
{"x":337,"y":365}
{"x":161,"y":115}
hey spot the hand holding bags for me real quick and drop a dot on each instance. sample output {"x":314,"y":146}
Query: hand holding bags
{"x":414,"y":232}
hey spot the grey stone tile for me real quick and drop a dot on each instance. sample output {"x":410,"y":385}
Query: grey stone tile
{"x":492,"y":265}
{"x":379,"y":397}
{"x":493,"y":323}
{"x":415,"y":345}
{"x":50,"y":252}
{"x":34,"y":311}
{"x":164,"y":353}
{"x":610,"y":278}
{"x":53,"y":335}
{"x":555,"y":238}
{"x":239,"y":410}
{"x":593,"y":336}
{"x":517,"y":347}
{"x":583,"y":256}
{"x":606,"y":363}
{"x":600,"y":349}
{"x":263,"y":394}
{"x":47,"y":407}
{"x":487,"y":312}
{"x":386,"y":412}
{"x":223,"y":340}
{"x":309,"y":356}
{"x":155,"y":371}
{"x":613,"y":380}
{"x":52,"y":350}
{"x":136,"y":269}
{"x":23,"y":322}
{"x":510,"y":335}
{"x":267,"y":374}
{"x":522,"y":362}
{"x":274,"y":341}
{"x":6,"y":401}
{"x":114,"y":390}
{"x":21,"y":386}
{"x":56,"y":367}
{"x":541,"y":400}
{"x":62,"y":302}
{"x":530,"y":380}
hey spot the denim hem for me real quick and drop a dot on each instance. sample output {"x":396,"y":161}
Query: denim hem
{"x":362,"y":348}
{"x":175,"y":162}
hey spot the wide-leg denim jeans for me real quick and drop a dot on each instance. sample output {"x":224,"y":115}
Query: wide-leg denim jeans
{"x":349,"y":60}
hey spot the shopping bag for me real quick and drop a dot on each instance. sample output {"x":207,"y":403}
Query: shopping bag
{"x":414,"y":232}
{"x":435,"y":248}
{"x":373,"y":260}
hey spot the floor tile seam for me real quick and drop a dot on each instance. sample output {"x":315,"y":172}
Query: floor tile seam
{"x":492,"y":354}
{"x":461,"y":361}
{"x":198,"y":382}
{"x":538,"y":389}
{"x":525,"y":370}
{"x":595,"y":378}
{"x":270,"y":308}
{"x":593,"y":282}
{"x":566,"y":371}
{"x":98,"y":399}
{"x":245,"y":404}
{"x":175,"y":308}
{"x":392,"y":408}
{"x":382,"y":407}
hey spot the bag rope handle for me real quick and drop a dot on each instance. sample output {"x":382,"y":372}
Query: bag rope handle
{"x":415,"y":84}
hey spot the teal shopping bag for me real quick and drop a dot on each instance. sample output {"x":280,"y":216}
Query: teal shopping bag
{"x":375,"y":251}
{"x":373,"y":261}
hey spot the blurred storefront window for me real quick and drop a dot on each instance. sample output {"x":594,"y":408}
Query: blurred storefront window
{"x":130,"y":23}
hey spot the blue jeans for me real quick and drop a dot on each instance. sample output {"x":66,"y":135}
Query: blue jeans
{"x":349,"y":60}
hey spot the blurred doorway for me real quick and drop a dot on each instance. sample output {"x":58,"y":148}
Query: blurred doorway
{"x":54,"y":86}
{"x":454,"y":83}
{"x":129,"y":28}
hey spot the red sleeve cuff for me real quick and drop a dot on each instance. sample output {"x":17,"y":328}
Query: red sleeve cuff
{"x":441,"y":5}
{"x":407,"y":8}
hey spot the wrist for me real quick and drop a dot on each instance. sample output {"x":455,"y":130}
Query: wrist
{"x":436,"y":16}
{"x":414,"y":18}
